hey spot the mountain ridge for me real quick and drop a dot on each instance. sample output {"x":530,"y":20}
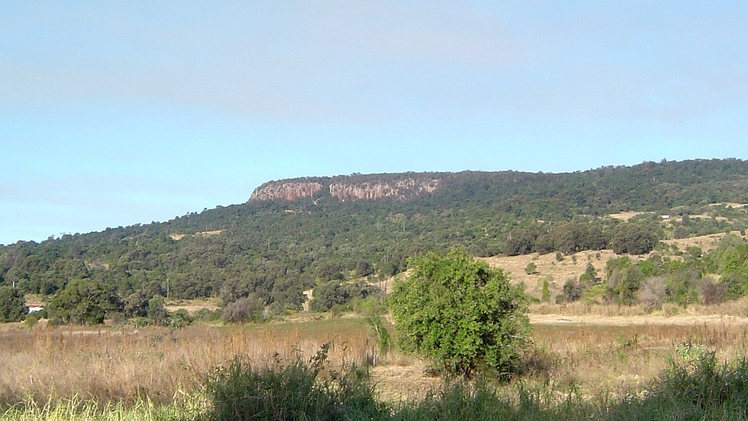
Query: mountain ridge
{"x":368,"y":225}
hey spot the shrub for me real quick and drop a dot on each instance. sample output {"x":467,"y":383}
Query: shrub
{"x":12,"y":305}
{"x":531,"y":268}
{"x":295,"y":391}
{"x":244,"y":310}
{"x":461,"y":314}
{"x":701,"y":389}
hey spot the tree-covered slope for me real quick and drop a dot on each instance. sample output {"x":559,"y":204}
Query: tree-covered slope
{"x":355,"y":225}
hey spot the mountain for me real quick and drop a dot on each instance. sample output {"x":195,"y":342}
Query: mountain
{"x":292,"y":234}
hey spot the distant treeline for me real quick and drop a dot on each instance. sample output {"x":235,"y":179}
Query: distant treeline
{"x":271,"y":251}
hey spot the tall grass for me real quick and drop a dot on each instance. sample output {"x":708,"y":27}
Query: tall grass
{"x":576,"y":371}
{"x":295,"y":391}
{"x":704,"y":390}
{"x":128,"y":365}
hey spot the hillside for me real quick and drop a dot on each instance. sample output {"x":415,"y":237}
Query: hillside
{"x":292,"y":235}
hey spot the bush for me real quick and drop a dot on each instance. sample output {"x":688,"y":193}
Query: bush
{"x":461,"y":314}
{"x":83,"y":301}
{"x":571,"y":291}
{"x":695,"y":390}
{"x":12,"y":305}
{"x":336,"y":294}
{"x":244,"y":310}
{"x":294,"y":391}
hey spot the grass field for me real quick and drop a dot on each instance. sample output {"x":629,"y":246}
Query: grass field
{"x":155,"y":369}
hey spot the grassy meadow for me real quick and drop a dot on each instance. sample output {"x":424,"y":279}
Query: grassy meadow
{"x":587,"y":353}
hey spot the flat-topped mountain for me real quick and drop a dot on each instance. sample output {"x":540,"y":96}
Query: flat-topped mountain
{"x":294,"y":234}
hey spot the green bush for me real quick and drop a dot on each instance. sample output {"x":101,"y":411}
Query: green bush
{"x":294,"y":391}
{"x":83,"y":301}
{"x":702,"y":389}
{"x":12,"y":305}
{"x":461,"y":314}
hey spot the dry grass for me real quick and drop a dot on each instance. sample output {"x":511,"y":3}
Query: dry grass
{"x":597,"y":358}
{"x":573,"y":350}
{"x":547,"y":267}
{"x":572,"y":266}
{"x":127,"y":364}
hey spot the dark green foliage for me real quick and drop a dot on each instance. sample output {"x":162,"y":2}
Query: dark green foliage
{"x":157,"y":313}
{"x":136,"y":305}
{"x":634,"y":238}
{"x":179,"y":319}
{"x":624,"y":280}
{"x":363,"y":268}
{"x":339,"y":294}
{"x":12,"y":305}
{"x":531,"y":268}
{"x":84,"y":302}
{"x":276,"y":249}
{"x":571,"y":291}
{"x":589,"y":277}
{"x":461,"y":314}
{"x":292,"y":391}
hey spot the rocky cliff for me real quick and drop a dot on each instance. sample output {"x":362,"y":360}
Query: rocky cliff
{"x":286,"y":190}
{"x":400,"y":189}
{"x":347,"y":188}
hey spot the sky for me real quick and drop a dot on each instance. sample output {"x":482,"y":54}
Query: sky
{"x":118,"y":113}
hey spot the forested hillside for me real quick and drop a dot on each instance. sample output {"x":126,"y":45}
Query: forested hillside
{"x":271,"y":249}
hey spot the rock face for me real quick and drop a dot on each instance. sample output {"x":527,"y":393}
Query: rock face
{"x":347,"y":188}
{"x":286,"y":190}
{"x":400,"y":189}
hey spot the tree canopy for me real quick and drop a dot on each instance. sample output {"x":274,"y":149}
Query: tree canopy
{"x":460,"y":313}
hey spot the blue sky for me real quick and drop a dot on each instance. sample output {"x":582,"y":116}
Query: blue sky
{"x":116,"y":113}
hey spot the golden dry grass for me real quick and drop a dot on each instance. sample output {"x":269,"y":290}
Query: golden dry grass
{"x":124,"y":364}
{"x":573,"y":349}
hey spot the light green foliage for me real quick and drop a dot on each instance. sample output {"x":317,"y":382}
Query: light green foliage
{"x":624,"y":280}
{"x":460,"y":313}
{"x":546,"y":289}
{"x":12,"y":305}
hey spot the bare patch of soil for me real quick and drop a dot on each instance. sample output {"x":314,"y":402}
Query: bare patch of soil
{"x":598,"y":320}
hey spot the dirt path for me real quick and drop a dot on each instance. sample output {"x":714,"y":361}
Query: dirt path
{"x":594,"y":320}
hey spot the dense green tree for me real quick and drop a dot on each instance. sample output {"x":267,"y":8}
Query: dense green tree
{"x":460,"y":313}
{"x":624,"y":280}
{"x":12,"y":305}
{"x":635,"y":238}
{"x":85,"y":302}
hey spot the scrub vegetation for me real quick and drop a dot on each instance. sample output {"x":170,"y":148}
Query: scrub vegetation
{"x":590,"y":295}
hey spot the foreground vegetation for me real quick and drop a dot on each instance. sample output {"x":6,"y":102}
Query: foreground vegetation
{"x":698,"y":389}
{"x":574,"y":369}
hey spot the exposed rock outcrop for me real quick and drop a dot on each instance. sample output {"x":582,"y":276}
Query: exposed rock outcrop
{"x":286,"y":190}
{"x":347,"y":188}
{"x":400,"y":189}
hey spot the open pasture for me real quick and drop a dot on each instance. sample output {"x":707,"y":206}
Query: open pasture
{"x":124,"y":365}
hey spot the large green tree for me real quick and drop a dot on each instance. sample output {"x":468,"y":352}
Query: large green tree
{"x":85,"y":302}
{"x":12,"y":305}
{"x":461,"y":314}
